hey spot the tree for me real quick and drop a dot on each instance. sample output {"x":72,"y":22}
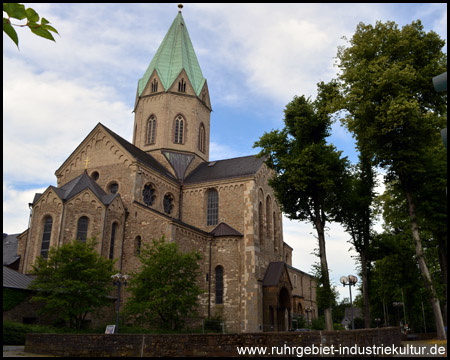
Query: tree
{"x":18,"y":11}
{"x":164,"y":292}
{"x":309,"y":173}
{"x":357,"y":217}
{"x":73,"y":282}
{"x":394,"y":111}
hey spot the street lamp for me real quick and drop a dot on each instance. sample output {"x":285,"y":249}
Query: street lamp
{"x":351,"y":280}
{"x":119,"y":279}
{"x":377,"y":321}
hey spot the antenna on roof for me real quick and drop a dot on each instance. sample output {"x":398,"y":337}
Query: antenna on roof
{"x":180,"y":6}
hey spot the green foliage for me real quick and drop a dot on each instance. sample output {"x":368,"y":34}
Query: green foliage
{"x":13,"y":297}
{"x":15,"y":333}
{"x":18,"y":11}
{"x":214,"y":324}
{"x":74,"y":281}
{"x":393,"y":107}
{"x":164,"y":292}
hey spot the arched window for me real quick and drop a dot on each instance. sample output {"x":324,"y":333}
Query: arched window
{"x":151,"y":130}
{"x":137,"y":245}
{"x":82,"y":228}
{"x":149,"y":194}
{"x":261,"y":223}
{"x":274,"y":222}
{"x":154,"y":86}
{"x":113,"y":238}
{"x":179,"y":129}
{"x":212,"y":211}
{"x":182,"y":85}
{"x":201,"y":138}
{"x":269,"y":218}
{"x":46,"y":235}
{"x":168,"y":204}
{"x":113,"y":188}
{"x":219,"y":284}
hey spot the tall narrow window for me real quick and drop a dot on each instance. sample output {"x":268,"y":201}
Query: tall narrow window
{"x":212,"y":212}
{"x":168,"y":204}
{"x":46,"y":235}
{"x":219,"y":285}
{"x":154,"y":86}
{"x":149,"y":194}
{"x":179,"y":129}
{"x":113,"y":238}
{"x":201,"y":138}
{"x":269,"y":218}
{"x":138,"y":242}
{"x":182,"y":86}
{"x":82,"y":228}
{"x":151,"y":130}
{"x":261,"y":223}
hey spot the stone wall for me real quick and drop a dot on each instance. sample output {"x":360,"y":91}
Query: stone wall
{"x":205,"y":345}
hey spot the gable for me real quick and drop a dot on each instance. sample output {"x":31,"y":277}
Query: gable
{"x":110,"y":148}
{"x":277,"y":274}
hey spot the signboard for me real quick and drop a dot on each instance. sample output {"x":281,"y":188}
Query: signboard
{"x":110,"y":329}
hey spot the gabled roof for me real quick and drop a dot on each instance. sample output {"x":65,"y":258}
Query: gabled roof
{"x":225,"y":230}
{"x":175,"y":54}
{"x":15,"y":280}
{"x":77,"y":185}
{"x":139,"y":154}
{"x":10,"y":248}
{"x":274,"y":272}
{"x":223,"y":169}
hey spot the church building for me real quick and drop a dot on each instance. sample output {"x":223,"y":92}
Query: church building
{"x":163,"y":184}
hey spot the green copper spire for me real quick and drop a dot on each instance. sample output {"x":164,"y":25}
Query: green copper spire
{"x":174,"y":54}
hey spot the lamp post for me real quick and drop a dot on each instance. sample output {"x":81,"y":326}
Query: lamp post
{"x":118,"y":279}
{"x":377,"y":321}
{"x":351,"y":280}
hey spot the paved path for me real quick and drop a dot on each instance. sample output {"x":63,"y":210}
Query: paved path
{"x":18,"y":351}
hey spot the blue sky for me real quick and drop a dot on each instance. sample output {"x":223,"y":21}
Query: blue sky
{"x":255,"y":58}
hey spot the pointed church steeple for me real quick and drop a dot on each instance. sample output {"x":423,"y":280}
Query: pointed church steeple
{"x":172,"y":111}
{"x":175,"y":54}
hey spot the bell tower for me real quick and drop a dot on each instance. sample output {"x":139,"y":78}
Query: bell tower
{"x":172,"y":109}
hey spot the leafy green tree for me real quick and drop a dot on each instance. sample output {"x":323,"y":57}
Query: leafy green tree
{"x":309,"y":173}
{"x":357,"y":218}
{"x":164,"y":292}
{"x":73,"y":282}
{"x":394,"y":111}
{"x":18,"y":12}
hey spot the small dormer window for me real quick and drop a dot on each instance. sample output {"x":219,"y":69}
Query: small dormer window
{"x":182,"y":86}
{"x":154,"y":86}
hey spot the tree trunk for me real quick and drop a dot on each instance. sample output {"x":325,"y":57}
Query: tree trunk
{"x":424,"y":269}
{"x":365,"y":289}
{"x":442,"y":253}
{"x":324,"y":270}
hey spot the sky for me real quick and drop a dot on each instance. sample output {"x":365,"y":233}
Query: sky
{"x":255,"y":57}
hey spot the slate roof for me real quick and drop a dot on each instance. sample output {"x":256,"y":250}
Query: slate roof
{"x":77,"y":185}
{"x":273,"y":273}
{"x":225,"y":230}
{"x":223,"y":169}
{"x":173,"y":55}
{"x":15,"y":280}
{"x":139,"y":154}
{"x":10,"y":248}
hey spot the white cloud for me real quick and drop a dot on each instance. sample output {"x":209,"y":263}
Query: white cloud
{"x":46,"y":117}
{"x":15,"y":208}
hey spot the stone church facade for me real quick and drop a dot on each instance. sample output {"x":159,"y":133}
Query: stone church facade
{"x":163,"y":184}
